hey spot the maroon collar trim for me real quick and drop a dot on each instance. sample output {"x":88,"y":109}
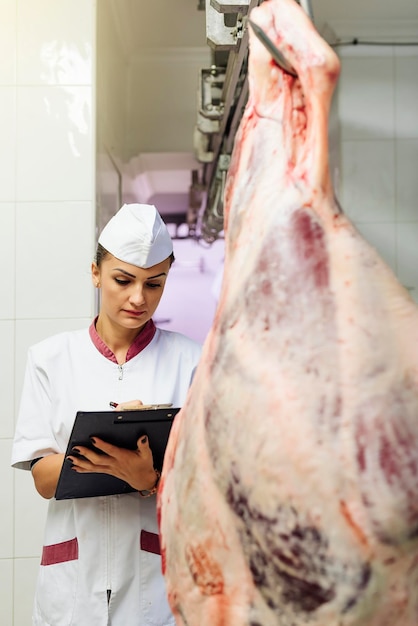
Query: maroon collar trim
{"x":139,"y":343}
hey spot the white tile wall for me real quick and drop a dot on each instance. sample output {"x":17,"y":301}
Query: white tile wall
{"x":24,"y":581}
{"x":366,"y":97}
{"x":47,"y":215}
{"x":7,"y":378}
{"x":56,"y":124}
{"x":7,"y":42}
{"x":6,"y":593}
{"x":406,"y":93}
{"x":8,"y":141}
{"x":368,"y":172}
{"x":407,"y":179}
{"x":59,"y":50}
{"x":378,"y":92}
{"x":7,"y":259}
{"x":407,"y":241}
{"x":6,"y":517}
{"x":54,"y":251}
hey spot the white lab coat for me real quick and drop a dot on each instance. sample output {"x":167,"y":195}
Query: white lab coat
{"x":95,"y":544}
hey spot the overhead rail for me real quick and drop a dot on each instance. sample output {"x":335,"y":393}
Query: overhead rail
{"x":222,"y":96}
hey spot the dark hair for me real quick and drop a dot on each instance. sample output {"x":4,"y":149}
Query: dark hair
{"x":101,"y":254}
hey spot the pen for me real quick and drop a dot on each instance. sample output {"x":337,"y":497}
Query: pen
{"x":113,"y":404}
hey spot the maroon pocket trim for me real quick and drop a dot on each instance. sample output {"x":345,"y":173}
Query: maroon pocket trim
{"x":150,"y":542}
{"x":60,"y":552}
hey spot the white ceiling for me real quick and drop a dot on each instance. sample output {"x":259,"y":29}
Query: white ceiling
{"x":172,"y":23}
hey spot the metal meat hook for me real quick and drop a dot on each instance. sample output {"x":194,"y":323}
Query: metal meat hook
{"x":275,"y":52}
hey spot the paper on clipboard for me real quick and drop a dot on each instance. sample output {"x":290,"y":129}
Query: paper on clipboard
{"x":121,"y":428}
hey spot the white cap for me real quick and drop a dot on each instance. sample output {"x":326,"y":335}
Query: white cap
{"x":137,"y":235}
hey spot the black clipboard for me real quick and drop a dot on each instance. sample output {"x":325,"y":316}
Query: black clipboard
{"x":121,"y":428}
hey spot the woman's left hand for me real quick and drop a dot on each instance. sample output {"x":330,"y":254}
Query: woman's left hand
{"x":133,"y":466}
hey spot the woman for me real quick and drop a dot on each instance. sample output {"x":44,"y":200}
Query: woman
{"x":100,"y":562}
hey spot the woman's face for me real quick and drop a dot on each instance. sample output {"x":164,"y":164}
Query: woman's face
{"x":129,"y":294}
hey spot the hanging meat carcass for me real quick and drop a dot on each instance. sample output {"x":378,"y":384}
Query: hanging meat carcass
{"x":290,"y":486}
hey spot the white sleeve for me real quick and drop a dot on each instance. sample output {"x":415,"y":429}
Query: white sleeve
{"x":34,"y":436}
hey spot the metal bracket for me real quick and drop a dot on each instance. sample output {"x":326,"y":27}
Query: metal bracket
{"x":210,"y":111}
{"x":224,"y":23}
{"x":211,"y":89}
{"x":213,"y":223}
{"x":231,"y":6}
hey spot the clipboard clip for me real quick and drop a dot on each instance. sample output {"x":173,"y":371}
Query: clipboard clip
{"x":127,"y":417}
